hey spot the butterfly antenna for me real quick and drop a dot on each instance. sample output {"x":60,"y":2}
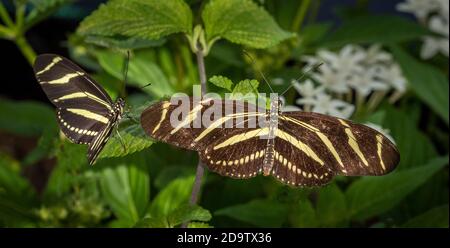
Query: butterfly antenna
{"x":146,"y":85}
{"x":315,"y":67}
{"x":259,"y":71}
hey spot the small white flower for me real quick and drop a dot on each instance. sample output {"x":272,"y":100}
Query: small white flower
{"x":420,"y":8}
{"x":437,"y":22}
{"x":307,"y":89}
{"x":393,"y":76}
{"x":443,"y":7}
{"x":347,"y":61}
{"x":365,"y":83}
{"x":331,"y":79}
{"x":324,"y":104}
{"x":376,"y":55}
{"x":380,"y":129}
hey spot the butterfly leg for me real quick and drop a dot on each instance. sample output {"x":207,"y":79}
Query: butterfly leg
{"x":121,"y":140}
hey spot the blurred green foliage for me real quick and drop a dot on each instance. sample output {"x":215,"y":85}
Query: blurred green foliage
{"x":149,"y":184}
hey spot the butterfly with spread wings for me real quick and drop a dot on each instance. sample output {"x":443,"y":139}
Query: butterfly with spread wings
{"x":85,"y":112}
{"x":298,"y":148}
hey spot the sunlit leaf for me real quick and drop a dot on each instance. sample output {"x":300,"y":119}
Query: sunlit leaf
{"x":242,"y":22}
{"x":222,"y":82}
{"x":132,"y":139}
{"x":146,"y":19}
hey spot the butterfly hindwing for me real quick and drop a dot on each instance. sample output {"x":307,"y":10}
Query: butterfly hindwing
{"x":236,"y":153}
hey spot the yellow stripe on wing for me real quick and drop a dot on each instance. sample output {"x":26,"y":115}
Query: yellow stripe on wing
{"x":88,"y":114}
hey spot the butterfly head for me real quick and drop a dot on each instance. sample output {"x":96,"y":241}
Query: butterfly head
{"x":119,"y":106}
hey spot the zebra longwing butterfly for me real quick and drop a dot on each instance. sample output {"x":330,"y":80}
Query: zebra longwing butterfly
{"x":85,"y":112}
{"x":299,"y":149}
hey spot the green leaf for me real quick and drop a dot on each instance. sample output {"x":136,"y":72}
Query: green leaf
{"x":170,"y":173}
{"x":246,"y":86}
{"x":126,"y":188}
{"x":26,"y":118}
{"x":370,"y":196}
{"x":429,"y":83}
{"x":435,"y":217}
{"x":141,"y":72}
{"x":261,"y":213}
{"x":242,"y":22}
{"x":46,"y":144}
{"x":222,"y":82}
{"x":122,"y":42}
{"x":367,"y":29}
{"x":187,"y":213}
{"x":17,"y":196}
{"x":195,"y":224}
{"x":303,"y":214}
{"x":414,"y":146}
{"x":148,"y":222}
{"x":65,"y":174}
{"x":12,"y":184}
{"x":146,"y":19}
{"x":134,"y":140}
{"x":171,"y":197}
{"x":331,"y":206}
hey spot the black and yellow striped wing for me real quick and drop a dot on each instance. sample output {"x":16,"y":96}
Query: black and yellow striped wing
{"x":85,"y":112}
{"x":309,"y":148}
{"x":227,"y":159}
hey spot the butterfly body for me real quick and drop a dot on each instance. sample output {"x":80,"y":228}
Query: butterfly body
{"x":85,"y":112}
{"x":297,"y":148}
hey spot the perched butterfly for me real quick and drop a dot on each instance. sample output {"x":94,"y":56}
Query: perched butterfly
{"x":85,"y":112}
{"x":299,"y":148}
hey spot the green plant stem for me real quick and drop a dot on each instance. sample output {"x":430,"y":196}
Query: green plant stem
{"x":20,"y":17}
{"x":26,"y":49}
{"x":200,"y":169}
{"x":5,"y":32}
{"x":300,"y":16}
{"x":5,"y":16}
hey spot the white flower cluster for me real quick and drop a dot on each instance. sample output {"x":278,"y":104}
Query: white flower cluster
{"x":367,"y":72}
{"x":435,"y":15}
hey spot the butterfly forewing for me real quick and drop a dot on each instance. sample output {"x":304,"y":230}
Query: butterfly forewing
{"x":85,"y":112}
